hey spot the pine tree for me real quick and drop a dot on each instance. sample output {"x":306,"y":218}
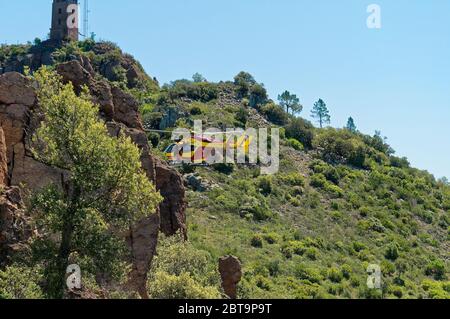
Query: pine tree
{"x":290,"y":102}
{"x":321,"y":113}
{"x":351,"y":125}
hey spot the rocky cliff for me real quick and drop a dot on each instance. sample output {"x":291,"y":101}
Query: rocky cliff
{"x":19,"y":117}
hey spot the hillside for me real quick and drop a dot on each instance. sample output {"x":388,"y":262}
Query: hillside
{"x":340,"y":202}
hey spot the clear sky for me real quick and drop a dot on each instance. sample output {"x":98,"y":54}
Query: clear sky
{"x":395,"y":79}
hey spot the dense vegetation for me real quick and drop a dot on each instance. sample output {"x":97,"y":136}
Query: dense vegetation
{"x":340,"y":202}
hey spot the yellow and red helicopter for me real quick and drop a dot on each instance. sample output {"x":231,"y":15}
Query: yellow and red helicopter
{"x":197,"y":148}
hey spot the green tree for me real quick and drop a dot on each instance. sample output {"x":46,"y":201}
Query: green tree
{"x":244,"y":82}
{"x":301,"y":130}
{"x":104,"y":188}
{"x":321,"y":113}
{"x":290,"y":102}
{"x":258,"y":96}
{"x":198,"y":78}
{"x":351,"y":126}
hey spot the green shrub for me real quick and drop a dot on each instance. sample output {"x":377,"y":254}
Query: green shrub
{"x":301,"y":130}
{"x":180,"y":271}
{"x":242,"y":117}
{"x":274,"y":267}
{"x":330,"y":172}
{"x":202,"y":91}
{"x":296,"y":145}
{"x":154,"y":139}
{"x":318,"y":181}
{"x":262,"y":213}
{"x":311,"y":253}
{"x":334,"y":189}
{"x":340,"y":147}
{"x":152,"y":120}
{"x":436,"y":268}
{"x":265,"y":185}
{"x":275,"y":114}
{"x":271,"y":238}
{"x":293,"y":179}
{"x":392,"y":252}
{"x":436,"y":290}
{"x":335,"y":275}
{"x":258,"y":96}
{"x":18,"y":282}
{"x":165,"y":286}
{"x":257,"y":241}
{"x":293,"y":248}
{"x":346,"y":271}
{"x":243,"y":82}
{"x":196,"y":110}
{"x":310,"y":274}
{"x":263,"y":283}
{"x":224,"y":168}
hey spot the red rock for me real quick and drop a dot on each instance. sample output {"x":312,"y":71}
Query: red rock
{"x":231,"y":274}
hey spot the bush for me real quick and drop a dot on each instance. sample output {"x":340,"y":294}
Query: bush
{"x":243,"y":81}
{"x":18,"y":282}
{"x":436,"y":290}
{"x":258,"y":96}
{"x":310,"y":274}
{"x":166,"y":286}
{"x":311,"y":253}
{"x":346,"y":271}
{"x":154,"y":139}
{"x":196,"y":110}
{"x":275,"y":114}
{"x":293,"y":179}
{"x":436,"y":268}
{"x":301,"y":130}
{"x":265,"y":185}
{"x":330,"y":172}
{"x":340,"y":147}
{"x":242,"y":116}
{"x":202,"y":91}
{"x":181,"y":271}
{"x":335,"y":275}
{"x":224,"y":168}
{"x":318,"y":181}
{"x":293,"y":248}
{"x":257,"y":241}
{"x":152,"y":120}
{"x":392,"y":252}
{"x":274,"y":268}
{"x":296,"y":145}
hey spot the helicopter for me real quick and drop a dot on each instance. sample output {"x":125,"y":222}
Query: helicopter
{"x":200,"y":149}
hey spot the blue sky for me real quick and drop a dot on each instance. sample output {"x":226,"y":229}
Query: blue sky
{"x":395,"y":79}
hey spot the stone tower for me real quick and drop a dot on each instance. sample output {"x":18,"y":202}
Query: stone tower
{"x":64,"y":20}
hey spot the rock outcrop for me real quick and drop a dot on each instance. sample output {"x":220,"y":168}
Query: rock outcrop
{"x":14,"y":226}
{"x":231,"y":274}
{"x":120,"y":110}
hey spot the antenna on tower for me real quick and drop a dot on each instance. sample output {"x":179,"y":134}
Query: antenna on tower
{"x":86,"y":19}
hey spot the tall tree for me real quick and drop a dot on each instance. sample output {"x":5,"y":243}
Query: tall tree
{"x":104,"y":189}
{"x":198,"y":78}
{"x":244,"y":81}
{"x":351,"y":126}
{"x":320,"y":113}
{"x":290,"y":102}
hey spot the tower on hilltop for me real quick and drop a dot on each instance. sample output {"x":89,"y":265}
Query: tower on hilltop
{"x":64,"y":20}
